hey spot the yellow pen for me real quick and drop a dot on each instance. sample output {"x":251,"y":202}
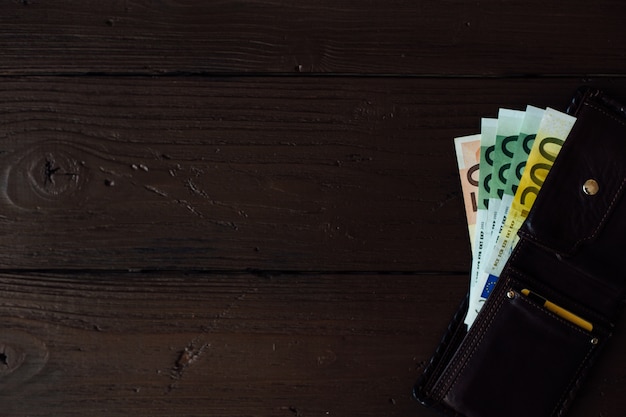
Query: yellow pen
{"x":559,"y":311}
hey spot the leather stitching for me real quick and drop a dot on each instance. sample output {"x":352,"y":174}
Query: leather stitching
{"x":564,"y":402}
{"x":459,"y":368}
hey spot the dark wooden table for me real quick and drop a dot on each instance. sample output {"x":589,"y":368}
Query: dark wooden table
{"x":252,"y":208}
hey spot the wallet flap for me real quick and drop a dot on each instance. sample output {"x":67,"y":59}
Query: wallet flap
{"x":586,"y":182}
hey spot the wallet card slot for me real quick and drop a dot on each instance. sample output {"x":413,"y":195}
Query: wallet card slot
{"x":557,"y":309}
{"x":517,"y":343}
{"x":563,"y":282}
{"x":565,"y":286}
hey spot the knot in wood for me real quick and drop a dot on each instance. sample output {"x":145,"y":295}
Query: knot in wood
{"x":46,"y":174}
{"x":22,"y":356}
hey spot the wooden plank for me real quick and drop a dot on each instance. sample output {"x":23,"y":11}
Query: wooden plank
{"x":454,"y":37}
{"x":235,"y":345}
{"x":114,"y":344}
{"x":264,"y":173}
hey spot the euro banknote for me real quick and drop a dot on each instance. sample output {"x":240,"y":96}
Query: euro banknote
{"x":507,"y":133}
{"x":529,"y":165}
{"x":467,"y":156}
{"x":487,"y":145}
{"x":525,"y":130}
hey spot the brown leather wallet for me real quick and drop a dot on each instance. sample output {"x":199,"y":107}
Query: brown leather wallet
{"x":522,"y":358}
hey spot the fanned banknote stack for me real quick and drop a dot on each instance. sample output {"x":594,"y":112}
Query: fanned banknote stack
{"x":502,"y":170}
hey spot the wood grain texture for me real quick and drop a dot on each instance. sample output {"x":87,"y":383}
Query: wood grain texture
{"x":232,"y":345}
{"x":251,"y":208}
{"x":453,"y":37}
{"x":296,"y":174}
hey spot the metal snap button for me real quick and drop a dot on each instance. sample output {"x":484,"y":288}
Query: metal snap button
{"x":591,"y":187}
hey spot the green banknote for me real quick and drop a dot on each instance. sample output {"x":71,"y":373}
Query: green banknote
{"x":507,"y":132}
{"x":526,"y":136}
{"x":528,"y":132}
{"x":488,"y":130}
{"x":509,"y":126}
